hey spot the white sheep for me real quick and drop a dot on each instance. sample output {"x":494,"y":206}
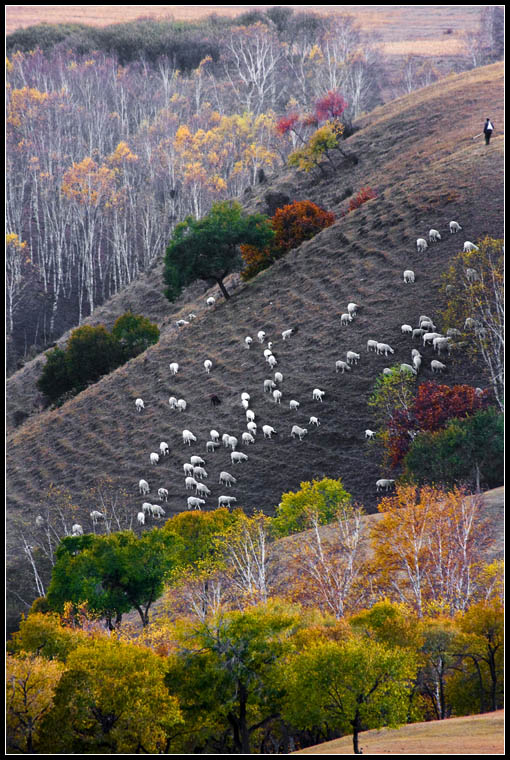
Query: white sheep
{"x":317,"y":394}
{"x":415,"y":352}
{"x":157,"y":511}
{"x":208,"y":365}
{"x":387,"y":371}
{"x":245,"y":396}
{"x":287,"y":333}
{"x":173,"y":402}
{"x":226,"y":501}
{"x":181,"y":322}
{"x":469,"y":247}
{"x":278,"y":377}
{"x":188,"y":468}
{"x":454,"y":227}
{"x":271,"y":360}
{"x":434,"y":236}
{"x":429,"y":337}
{"x":214,"y":435}
{"x":187,"y":437}
{"x":200,"y":472}
{"x":248,"y":341}
{"x":190,"y":483}
{"x":181,"y":405}
{"x":299,"y":431}
{"x":194,"y":502}
{"x":163,"y":494}
{"x":407,"y":368}
{"x":437,"y":366}
{"x":227,"y":479}
{"x":352,"y":309}
{"x":163,"y":448}
{"x":245,"y":403}
{"x":409,"y":275}
{"x":174,"y":368}
{"x":232,"y":442}
{"x":471,"y":275}
{"x":372,"y":345}
{"x":247,"y":438}
{"x":370,"y":434}
{"x":452,"y":332}
{"x":417,"y":363}
{"x":211,"y":301}
{"x":144,"y":487}
{"x":192,"y":316}
{"x":195,"y":460}
{"x":267,"y":353}
{"x":238,"y":456}
{"x":293,"y":404}
{"x":141,"y":518}
{"x":146,"y":507}
{"x":384,"y":483}
{"x":352,"y":357}
{"x":211,"y":445}
{"x":424,"y":317}
{"x":427,"y":325}
{"x":252,"y":427}
{"x":139,"y":404}
{"x":268,"y":431}
{"x":250,"y":415}
{"x":95,"y":516}
{"x":268,"y":385}
{"x":39,"y":521}
{"x":470,"y":323}
{"x":225,"y":438}
{"x":277,"y":395}
{"x":406,"y":330}
{"x":77,"y":530}
{"x":418,"y":332}
{"x":154,"y":458}
{"x":441,"y":343}
{"x":421,"y":245}
{"x":342,"y":365}
{"x":384,"y":348}
{"x":345,"y":318}
{"x":314,"y":421}
{"x":261,"y":335}
{"x":203,"y":490}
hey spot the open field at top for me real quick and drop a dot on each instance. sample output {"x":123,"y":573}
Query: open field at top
{"x":398,"y":27}
{"x":470,"y":735}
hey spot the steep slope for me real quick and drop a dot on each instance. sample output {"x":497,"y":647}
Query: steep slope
{"x":419,"y":154}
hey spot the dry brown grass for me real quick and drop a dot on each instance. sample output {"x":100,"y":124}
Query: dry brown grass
{"x":469,"y":735}
{"x":360,"y":258}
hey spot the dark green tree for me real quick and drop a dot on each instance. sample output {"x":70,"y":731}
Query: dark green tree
{"x":134,"y":333}
{"x":91,"y":353}
{"x":55,"y":381}
{"x":208,"y":248}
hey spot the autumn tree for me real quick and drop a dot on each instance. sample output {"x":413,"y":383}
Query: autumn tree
{"x":209,"y":248}
{"x":322,"y":498}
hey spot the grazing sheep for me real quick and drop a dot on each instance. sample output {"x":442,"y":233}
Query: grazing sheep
{"x":174,"y":368}
{"x":434,"y":236}
{"x":211,"y":301}
{"x":268,"y":431}
{"x":442,"y":343}
{"x":418,"y":332}
{"x":267,"y":353}
{"x":154,"y":458}
{"x":421,"y":245}
{"x":452,"y":332}
{"x":77,"y":530}
{"x":314,"y":421}
{"x":429,"y":337}
{"x":317,"y":394}
{"x":163,"y":494}
{"x":469,"y":247}
{"x":423,"y":317}
{"x":370,"y":434}
{"x":247,"y":438}
{"x":437,"y":366}
{"x":471,"y":275}
{"x":352,"y":309}
{"x":139,"y":404}
{"x":181,"y":322}
{"x":245,"y":396}
{"x":211,"y":445}
{"x":427,"y":325}
{"x":407,"y":368}
{"x":237,"y":457}
{"x":141,"y":518}
{"x":200,"y":472}
{"x":352,"y":357}
{"x":144,"y":487}
{"x":454,"y":227}
{"x":406,"y":330}
{"x":293,"y":404}
{"x":39,"y":521}
{"x":261,"y":335}
{"x":469,"y":323}
{"x":203,"y":490}
{"x":345,"y":318}
{"x":190,"y":483}
{"x":385,"y":483}
{"x":271,"y":360}
{"x":188,"y":468}
{"x":417,"y":363}
{"x":408,"y":275}
{"x":163,"y":448}
{"x":187,"y":437}
{"x":194,"y":502}
{"x":225,"y":438}
{"x":157,"y":511}
{"x":95,"y":516}
{"x":278,"y":377}
{"x":173,"y":402}
{"x":268,"y":385}
{"x":195,"y":460}
{"x":287,"y":333}
{"x":208,"y":365}
{"x":415,"y":352}
{"x":232,"y":442}
{"x":248,"y":341}
{"x":372,"y":345}
{"x":250,"y":415}
{"x":277,"y":395}
{"x":252,"y":427}
{"x":387,"y":371}
{"x":227,"y":479}
{"x":299,"y":431}
{"x":245,"y":404}
{"x":342,"y":365}
{"x":384,"y":348}
{"x":215,"y":436}
{"x":192,"y":316}
{"x":181,"y":405}
{"x":226,"y":501}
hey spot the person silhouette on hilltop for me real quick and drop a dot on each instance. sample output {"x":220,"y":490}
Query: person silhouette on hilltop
{"x":488,"y":130}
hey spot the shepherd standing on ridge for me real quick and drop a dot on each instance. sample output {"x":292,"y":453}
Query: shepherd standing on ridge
{"x":488,"y":130}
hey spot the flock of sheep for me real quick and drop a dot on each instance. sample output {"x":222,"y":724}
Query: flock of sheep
{"x":194,"y":470}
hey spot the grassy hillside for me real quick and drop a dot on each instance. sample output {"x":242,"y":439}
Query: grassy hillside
{"x":419,"y":154}
{"x":470,"y":735}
